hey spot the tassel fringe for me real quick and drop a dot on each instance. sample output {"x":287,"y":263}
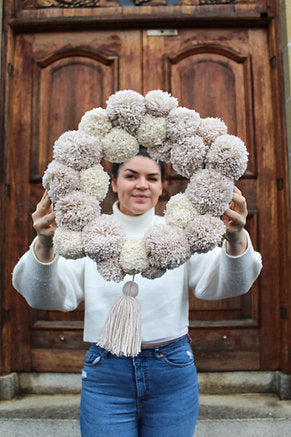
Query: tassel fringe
{"x":121,"y":334}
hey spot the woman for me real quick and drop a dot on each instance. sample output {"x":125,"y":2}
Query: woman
{"x":156,"y":393}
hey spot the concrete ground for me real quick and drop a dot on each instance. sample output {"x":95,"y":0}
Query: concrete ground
{"x":240,"y":415}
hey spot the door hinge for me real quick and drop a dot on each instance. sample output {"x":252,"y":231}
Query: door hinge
{"x":10,"y":69}
{"x":7,"y":190}
{"x":273,"y":62}
{"x":283,"y":313}
{"x":5,"y":316}
{"x":280,"y":184}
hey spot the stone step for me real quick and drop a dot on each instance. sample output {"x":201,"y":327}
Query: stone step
{"x":245,"y":415}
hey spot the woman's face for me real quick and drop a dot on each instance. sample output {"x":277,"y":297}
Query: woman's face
{"x":138,"y":185}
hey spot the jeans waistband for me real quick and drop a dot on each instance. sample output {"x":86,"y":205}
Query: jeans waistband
{"x":148,"y":351}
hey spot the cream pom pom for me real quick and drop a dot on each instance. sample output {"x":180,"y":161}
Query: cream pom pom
{"x":68,"y":243}
{"x":103,"y":238}
{"x":167,"y":247}
{"x":119,"y":146}
{"x":204,"y":233}
{"x":152,"y":131}
{"x":133,"y":257}
{"x":95,"y":122}
{"x":58,"y":180}
{"x":210,"y":192}
{"x":160,"y":103}
{"x":228,"y":155}
{"x":153,"y":272}
{"x":162,"y":152}
{"x":76,"y":209}
{"x":179,"y":211}
{"x":189,"y":156}
{"x":77,"y":150}
{"x":111,"y":270}
{"x":210,"y":128}
{"x":126,"y":109}
{"x":181,"y":123}
{"x":95,"y":181}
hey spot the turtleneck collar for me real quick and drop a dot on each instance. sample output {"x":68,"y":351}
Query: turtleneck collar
{"x":134,"y":225}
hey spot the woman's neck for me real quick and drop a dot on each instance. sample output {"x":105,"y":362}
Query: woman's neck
{"x":137,"y":224}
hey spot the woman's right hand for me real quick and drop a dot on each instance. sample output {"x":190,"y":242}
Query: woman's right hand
{"x":44,"y":224}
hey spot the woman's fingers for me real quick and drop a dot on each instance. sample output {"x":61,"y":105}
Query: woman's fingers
{"x":43,"y":217}
{"x":235,"y":216}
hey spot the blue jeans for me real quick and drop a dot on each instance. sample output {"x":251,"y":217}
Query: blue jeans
{"x":152,"y":395}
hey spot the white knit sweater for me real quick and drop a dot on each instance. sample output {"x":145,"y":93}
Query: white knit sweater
{"x":62,"y":284}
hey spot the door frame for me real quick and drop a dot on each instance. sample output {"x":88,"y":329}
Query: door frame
{"x":165,"y":18}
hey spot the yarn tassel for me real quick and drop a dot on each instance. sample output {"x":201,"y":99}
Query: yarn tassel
{"x":121,"y":334}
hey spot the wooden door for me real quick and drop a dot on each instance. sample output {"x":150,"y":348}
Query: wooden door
{"x":225,"y":73}
{"x":57,"y":77}
{"x":219,"y":72}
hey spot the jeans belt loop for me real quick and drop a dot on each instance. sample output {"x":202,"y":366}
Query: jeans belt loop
{"x":189,"y":339}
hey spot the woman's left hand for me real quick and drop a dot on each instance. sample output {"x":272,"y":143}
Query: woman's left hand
{"x":235,"y":219}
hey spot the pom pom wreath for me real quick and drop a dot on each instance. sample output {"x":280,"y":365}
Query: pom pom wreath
{"x":162,"y":152}
{"x":126,"y":109}
{"x":75,"y":210}
{"x":229,"y":156}
{"x":179,"y":211}
{"x":152,"y":131}
{"x":189,"y":156}
{"x":153,"y":272}
{"x":103,"y":238}
{"x":95,"y":122}
{"x":204,"y":233}
{"x":58,"y":180}
{"x":77,"y":150}
{"x":181,"y":123}
{"x":166,"y":249}
{"x":210,"y":128}
{"x":68,"y":243}
{"x":119,"y":146}
{"x":133,"y":256}
{"x":95,"y":181}
{"x":210,"y":192}
{"x":111,"y":270}
{"x":198,"y":149}
{"x":160,"y":103}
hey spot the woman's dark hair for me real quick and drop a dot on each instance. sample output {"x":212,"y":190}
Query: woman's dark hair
{"x":142,"y":152}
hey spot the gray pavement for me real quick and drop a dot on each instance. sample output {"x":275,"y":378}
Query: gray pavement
{"x":205,"y":428}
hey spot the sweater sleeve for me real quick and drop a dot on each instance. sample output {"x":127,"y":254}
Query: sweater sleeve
{"x":57,"y":285}
{"x":217,"y":275}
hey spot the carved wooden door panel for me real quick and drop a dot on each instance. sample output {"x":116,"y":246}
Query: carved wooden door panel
{"x":218,"y":72}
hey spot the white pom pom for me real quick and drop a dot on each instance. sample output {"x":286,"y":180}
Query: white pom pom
{"x":68,"y":243}
{"x":95,"y":181}
{"x":119,"y":146}
{"x":152,"y":131}
{"x":95,"y":123}
{"x":133,"y":257}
